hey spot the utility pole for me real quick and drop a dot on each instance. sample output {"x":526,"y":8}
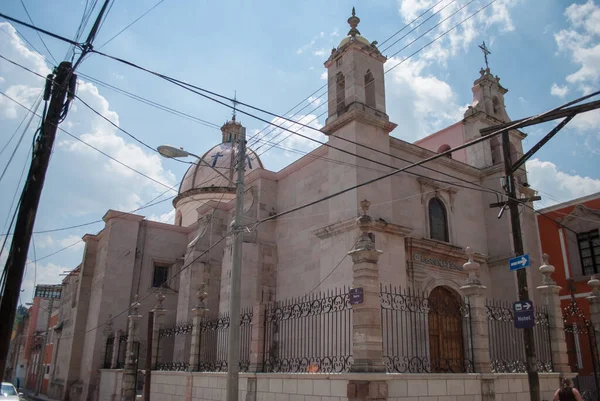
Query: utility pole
{"x":233,"y":349}
{"x":148,"y":367}
{"x":513,"y":205}
{"x":30,"y":199}
{"x":40,"y":372}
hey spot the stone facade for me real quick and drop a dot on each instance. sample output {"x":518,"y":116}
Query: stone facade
{"x":291,"y":255}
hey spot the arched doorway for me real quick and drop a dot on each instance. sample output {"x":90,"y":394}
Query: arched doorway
{"x":446,"y":346}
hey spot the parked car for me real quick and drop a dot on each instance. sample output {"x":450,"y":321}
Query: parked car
{"x":8,"y":392}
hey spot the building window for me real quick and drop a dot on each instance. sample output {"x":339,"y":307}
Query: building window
{"x":369,"y":89}
{"x":589,"y":251}
{"x":438,"y":220}
{"x":161,"y":275}
{"x":340,"y":91}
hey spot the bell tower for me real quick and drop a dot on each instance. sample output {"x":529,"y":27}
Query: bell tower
{"x":355,"y":76}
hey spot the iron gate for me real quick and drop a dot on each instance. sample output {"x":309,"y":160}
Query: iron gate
{"x":582,"y":349}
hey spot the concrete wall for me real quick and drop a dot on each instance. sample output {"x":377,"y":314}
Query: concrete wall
{"x":181,"y":386}
{"x":110,"y":384}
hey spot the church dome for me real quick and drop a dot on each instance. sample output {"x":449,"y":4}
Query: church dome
{"x":202,"y":178}
{"x":354,"y":34}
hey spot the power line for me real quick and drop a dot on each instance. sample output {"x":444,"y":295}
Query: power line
{"x":55,"y":36}
{"x":38,"y":33}
{"x":133,"y":22}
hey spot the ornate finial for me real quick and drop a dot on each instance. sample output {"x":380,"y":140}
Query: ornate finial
{"x":571,"y":287}
{"x":135,"y":305}
{"x":159,"y":301}
{"x":472,"y":267}
{"x":353,"y":21}
{"x":547,"y":269}
{"x":485,"y":51}
{"x":595,"y":284}
{"x":364,"y":205}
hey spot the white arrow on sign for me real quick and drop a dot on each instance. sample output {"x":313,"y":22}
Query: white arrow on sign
{"x":527,"y":305}
{"x":521,"y":262}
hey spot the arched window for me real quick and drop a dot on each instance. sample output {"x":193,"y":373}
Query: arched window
{"x":444,"y":148}
{"x":340,"y":91}
{"x":178,"y":218}
{"x":369,"y":89}
{"x":438,"y":220}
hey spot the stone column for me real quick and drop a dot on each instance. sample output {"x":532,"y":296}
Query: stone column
{"x":198,"y":312}
{"x":551,"y":299}
{"x":115,"y":353}
{"x":159,"y":313}
{"x":475,"y":293}
{"x":594,"y":301}
{"x":128,"y":387}
{"x":257,"y":338}
{"x":367,"y":341}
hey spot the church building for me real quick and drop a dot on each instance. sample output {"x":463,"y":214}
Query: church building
{"x":424,"y":219}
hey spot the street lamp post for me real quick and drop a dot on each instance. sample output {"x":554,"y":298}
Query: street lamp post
{"x":233,"y":349}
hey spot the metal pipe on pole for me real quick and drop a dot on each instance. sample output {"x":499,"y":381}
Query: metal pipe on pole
{"x":233,"y":349}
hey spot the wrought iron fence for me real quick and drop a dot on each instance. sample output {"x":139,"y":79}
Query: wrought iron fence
{"x":108,"y":352}
{"x":174,"y":345}
{"x":214,"y":339}
{"x":507,"y":351}
{"x":122,"y":351}
{"x":310,"y":334}
{"x":425,"y":334}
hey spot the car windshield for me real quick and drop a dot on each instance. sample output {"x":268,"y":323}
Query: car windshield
{"x":8,"y":389}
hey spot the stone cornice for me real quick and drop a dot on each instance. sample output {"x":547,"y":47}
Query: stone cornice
{"x":350,"y":224}
{"x":424,"y":153}
{"x":433,"y":246}
{"x":167,"y":226}
{"x":491,"y":121}
{"x":356,"y":112}
{"x":206,"y":190}
{"x":114,"y":214}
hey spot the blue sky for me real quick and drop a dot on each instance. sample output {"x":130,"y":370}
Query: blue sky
{"x":272,"y":55}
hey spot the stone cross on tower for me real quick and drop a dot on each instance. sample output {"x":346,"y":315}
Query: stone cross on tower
{"x":485,"y":51}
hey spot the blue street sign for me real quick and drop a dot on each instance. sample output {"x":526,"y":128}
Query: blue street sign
{"x":523,"y":314}
{"x":356,"y":296}
{"x":518,"y":262}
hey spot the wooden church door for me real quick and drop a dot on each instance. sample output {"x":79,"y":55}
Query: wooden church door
{"x":445,"y":331}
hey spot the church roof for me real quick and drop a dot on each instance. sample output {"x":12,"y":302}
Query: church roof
{"x":221,"y":157}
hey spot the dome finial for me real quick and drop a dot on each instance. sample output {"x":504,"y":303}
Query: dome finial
{"x":234,"y":105}
{"x":353,"y":21}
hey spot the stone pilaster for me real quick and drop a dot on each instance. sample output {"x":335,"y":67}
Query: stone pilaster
{"x":367,"y":341}
{"x":594,"y":301}
{"x":128,"y":387}
{"x":197,"y":313}
{"x":550,"y":298}
{"x":159,"y":313}
{"x":475,"y":294}
{"x":257,"y":343}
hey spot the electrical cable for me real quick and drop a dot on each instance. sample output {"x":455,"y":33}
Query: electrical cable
{"x":38,"y":33}
{"x":133,"y":22}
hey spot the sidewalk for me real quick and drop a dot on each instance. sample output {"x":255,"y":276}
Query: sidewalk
{"x":29,"y":395}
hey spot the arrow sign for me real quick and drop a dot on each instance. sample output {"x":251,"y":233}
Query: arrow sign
{"x":519,"y":262}
{"x":524,"y":315}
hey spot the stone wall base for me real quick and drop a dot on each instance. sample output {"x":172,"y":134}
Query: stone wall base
{"x":198,"y":386}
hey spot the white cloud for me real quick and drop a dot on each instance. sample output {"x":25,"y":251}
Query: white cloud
{"x":70,"y":240}
{"x":422,"y":101}
{"x":547,"y":178}
{"x":320,"y":52}
{"x":312,"y":100}
{"x":560,"y":91}
{"x":97,"y":183}
{"x":324,"y":75}
{"x":461,"y":38}
{"x":168,"y":217}
{"x":580,"y":42}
